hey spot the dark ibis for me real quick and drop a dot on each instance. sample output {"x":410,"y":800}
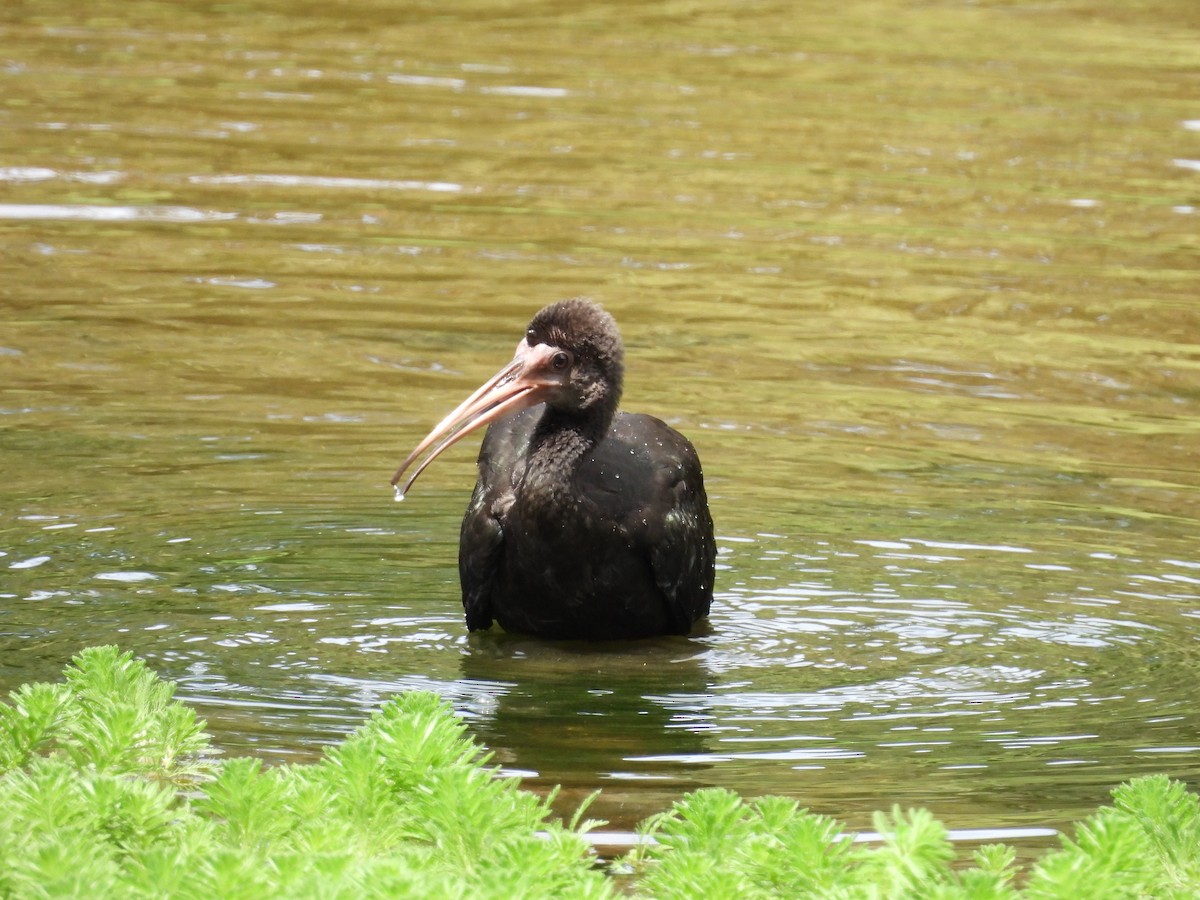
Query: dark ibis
{"x":586,"y":523}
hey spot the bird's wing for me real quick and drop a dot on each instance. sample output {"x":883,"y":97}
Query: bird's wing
{"x":481,"y":540}
{"x":660,"y":502}
{"x":479,"y":546}
{"x":684,"y":558}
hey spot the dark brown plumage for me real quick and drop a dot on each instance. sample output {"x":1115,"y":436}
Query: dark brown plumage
{"x":586,"y":522}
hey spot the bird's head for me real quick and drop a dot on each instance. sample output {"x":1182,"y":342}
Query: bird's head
{"x":575,"y":349}
{"x":571,"y":358}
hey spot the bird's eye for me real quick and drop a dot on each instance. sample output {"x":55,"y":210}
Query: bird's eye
{"x":561,"y":360}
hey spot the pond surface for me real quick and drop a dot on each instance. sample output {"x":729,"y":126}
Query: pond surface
{"x":921,"y":282}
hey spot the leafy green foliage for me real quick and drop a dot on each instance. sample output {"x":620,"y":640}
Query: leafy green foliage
{"x":714,"y":844}
{"x":109,"y":788}
{"x":28,"y":726}
{"x":1147,"y":845}
{"x":113,"y":715}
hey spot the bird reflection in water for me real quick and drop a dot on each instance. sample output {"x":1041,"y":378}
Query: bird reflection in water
{"x":633,"y":719}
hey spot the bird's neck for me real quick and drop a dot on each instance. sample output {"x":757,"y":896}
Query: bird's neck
{"x":559,"y":443}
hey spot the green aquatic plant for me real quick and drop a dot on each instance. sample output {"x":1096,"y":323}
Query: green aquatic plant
{"x":715,"y":844}
{"x":109,"y":787}
{"x":1146,"y":845}
{"x":113,"y":714}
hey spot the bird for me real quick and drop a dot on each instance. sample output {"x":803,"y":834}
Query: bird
{"x":586,"y":522}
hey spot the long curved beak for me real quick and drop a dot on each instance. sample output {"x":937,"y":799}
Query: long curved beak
{"x":524,"y":382}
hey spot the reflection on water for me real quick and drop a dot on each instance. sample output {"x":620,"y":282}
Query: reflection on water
{"x":922,"y":295}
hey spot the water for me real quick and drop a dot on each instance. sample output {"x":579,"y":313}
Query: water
{"x":919,"y":283}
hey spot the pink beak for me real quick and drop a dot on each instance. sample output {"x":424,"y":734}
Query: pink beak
{"x":526,"y":381}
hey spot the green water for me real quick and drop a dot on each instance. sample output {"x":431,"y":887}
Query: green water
{"x":921,"y":282}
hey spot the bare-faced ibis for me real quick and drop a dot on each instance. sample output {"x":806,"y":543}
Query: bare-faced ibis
{"x":586,"y":522}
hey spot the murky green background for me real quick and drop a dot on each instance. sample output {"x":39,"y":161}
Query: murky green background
{"x":921,"y":281}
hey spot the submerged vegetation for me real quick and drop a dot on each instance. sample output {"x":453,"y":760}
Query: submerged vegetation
{"x":109,"y":788}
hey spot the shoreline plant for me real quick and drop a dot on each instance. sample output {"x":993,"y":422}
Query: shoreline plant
{"x":110,"y":787}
